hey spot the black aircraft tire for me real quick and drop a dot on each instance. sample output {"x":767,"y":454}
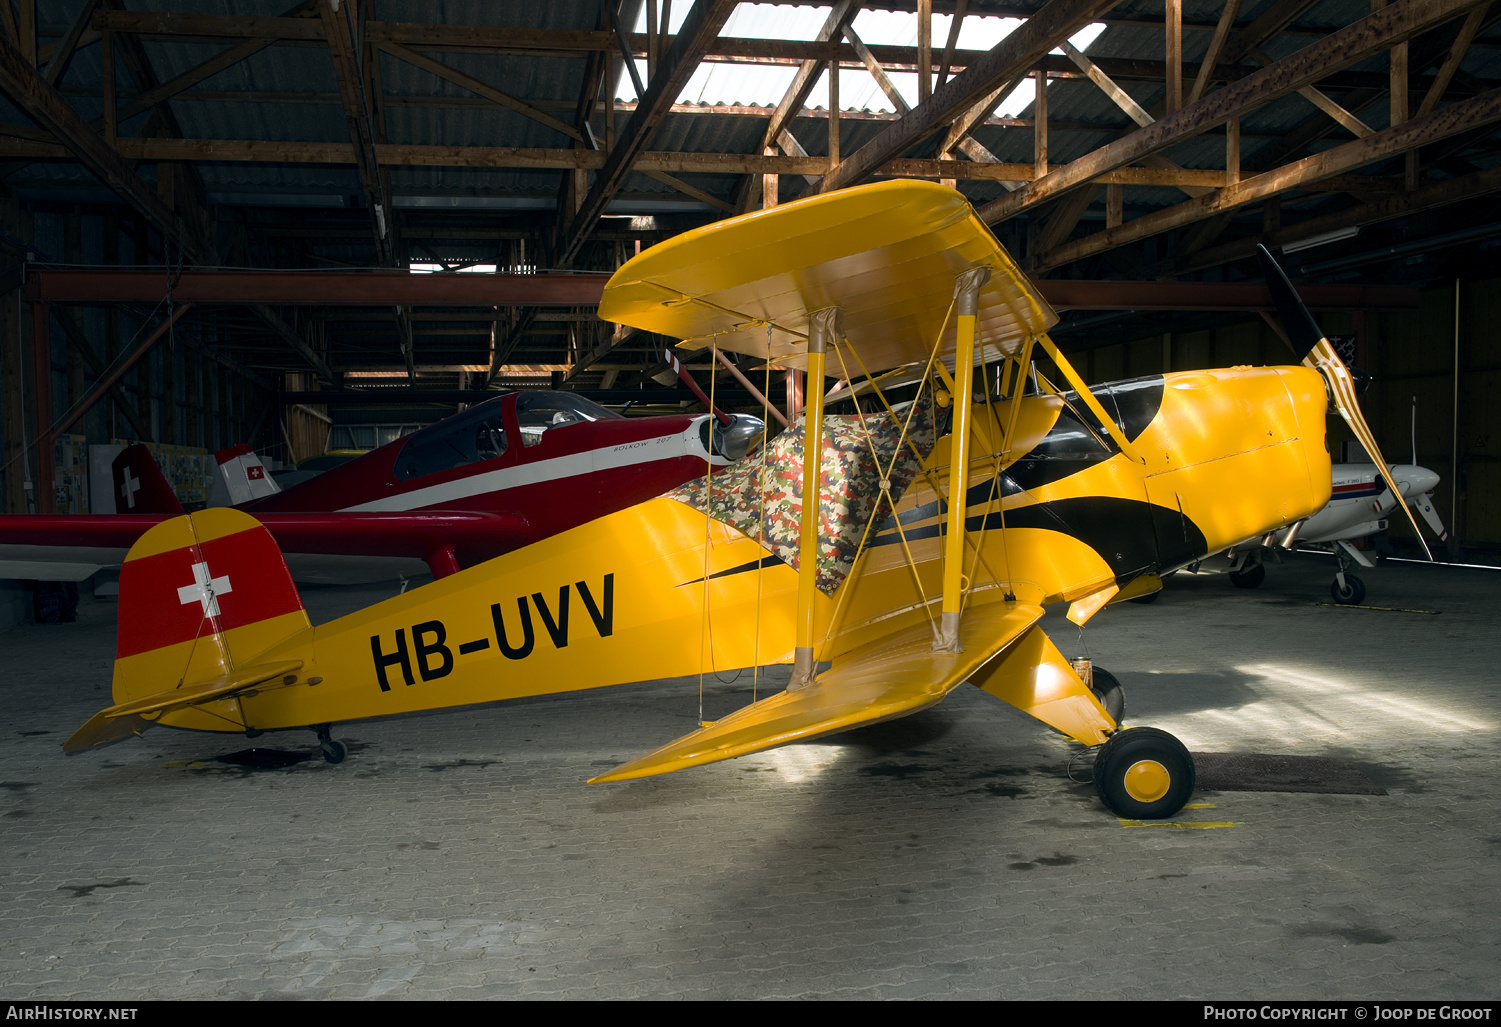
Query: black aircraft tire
{"x":334,"y":752}
{"x":1353,"y":594}
{"x":1108,"y":690}
{"x":1249,"y":577}
{"x":1144,"y":774}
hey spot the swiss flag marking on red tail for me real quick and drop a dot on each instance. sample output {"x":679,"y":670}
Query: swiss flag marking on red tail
{"x":202,"y":589}
{"x":255,"y":472}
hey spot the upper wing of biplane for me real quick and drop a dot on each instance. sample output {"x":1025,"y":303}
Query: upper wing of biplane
{"x":887,"y":254}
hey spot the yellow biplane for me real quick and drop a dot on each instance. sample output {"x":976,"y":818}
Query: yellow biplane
{"x":925,"y":561}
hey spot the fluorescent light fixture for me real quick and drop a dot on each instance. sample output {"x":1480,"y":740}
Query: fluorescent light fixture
{"x":1321,"y":239}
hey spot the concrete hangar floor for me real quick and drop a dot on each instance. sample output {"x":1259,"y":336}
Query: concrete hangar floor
{"x":460,"y":855}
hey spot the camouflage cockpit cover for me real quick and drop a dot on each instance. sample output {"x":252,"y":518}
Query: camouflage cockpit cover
{"x":850,"y":484}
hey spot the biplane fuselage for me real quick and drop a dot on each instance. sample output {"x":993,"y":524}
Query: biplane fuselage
{"x":1059,"y":516}
{"x":888,"y":569}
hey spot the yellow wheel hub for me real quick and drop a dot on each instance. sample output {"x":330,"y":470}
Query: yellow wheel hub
{"x":1147,"y":780}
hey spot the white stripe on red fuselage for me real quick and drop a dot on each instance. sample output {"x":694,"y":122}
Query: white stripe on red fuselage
{"x":627,"y":454}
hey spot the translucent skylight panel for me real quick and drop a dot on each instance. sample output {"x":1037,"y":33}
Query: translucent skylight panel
{"x":765,"y":84}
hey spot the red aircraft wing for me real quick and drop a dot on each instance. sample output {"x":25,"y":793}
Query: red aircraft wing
{"x":73,"y":546}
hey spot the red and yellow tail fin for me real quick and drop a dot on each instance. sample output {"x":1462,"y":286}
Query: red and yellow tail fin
{"x":200,"y":597}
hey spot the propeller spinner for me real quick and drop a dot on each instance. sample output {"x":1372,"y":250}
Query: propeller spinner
{"x":1315,"y":350}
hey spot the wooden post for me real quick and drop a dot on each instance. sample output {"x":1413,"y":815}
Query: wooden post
{"x":1115,"y":204}
{"x":1174,"y":50}
{"x":107,"y":59}
{"x":769,"y":187}
{"x":1040,"y":124}
{"x":833,"y":114}
{"x":924,"y":50}
{"x":41,"y":378}
{"x":14,"y":399}
{"x":27,"y":42}
{"x":651,"y":45}
{"x":1232,"y":151}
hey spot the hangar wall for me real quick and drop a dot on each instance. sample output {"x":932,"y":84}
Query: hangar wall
{"x":181,"y":392}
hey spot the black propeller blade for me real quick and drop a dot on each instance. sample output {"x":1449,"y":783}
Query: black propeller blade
{"x":1302,"y":332}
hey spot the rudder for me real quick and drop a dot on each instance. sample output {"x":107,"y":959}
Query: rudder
{"x":140,"y":485}
{"x":201,"y":596}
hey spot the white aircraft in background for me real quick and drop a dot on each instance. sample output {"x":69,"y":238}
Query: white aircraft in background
{"x":1358,"y":506}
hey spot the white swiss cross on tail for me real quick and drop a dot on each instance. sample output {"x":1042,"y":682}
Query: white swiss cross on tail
{"x":205,"y":590}
{"x":129,"y":487}
{"x":174,"y":583}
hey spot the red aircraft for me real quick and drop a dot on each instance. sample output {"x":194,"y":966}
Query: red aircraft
{"x":501,"y":475}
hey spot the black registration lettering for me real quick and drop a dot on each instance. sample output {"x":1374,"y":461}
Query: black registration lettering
{"x":382,"y":661}
{"x":426,"y":649}
{"x":554,"y":618}
{"x":557,"y":629}
{"x":511,"y":652}
{"x":604,"y":618}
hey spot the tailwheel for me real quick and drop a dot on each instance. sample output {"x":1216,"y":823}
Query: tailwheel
{"x":1108,"y":690}
{"x":1144,"y":774}
{"x":1350,"y":592}
{"x":333,"y":752}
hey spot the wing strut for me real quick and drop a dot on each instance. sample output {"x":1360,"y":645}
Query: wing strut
{"x":1093,"y":404}
{"x":967,"y":303}
{"x":824,"y":327}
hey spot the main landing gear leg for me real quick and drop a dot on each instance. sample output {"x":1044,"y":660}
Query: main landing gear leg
{"x":1347,"y":590}
{"x":333,"y":752}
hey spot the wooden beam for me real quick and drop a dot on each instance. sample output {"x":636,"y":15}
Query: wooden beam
{"x":698,"y":31}
{"x":1276,"y":17}
{"x":802,"y":84}
{"x":1039,"y":124}
{"x":1216,"y":47}
{"x":1067,"y":213}
{"x":1347,"y":46}
{"x":1173,"y":48}
{"x":696,"y":193}
{"x":1462,"y":41}
{"x":260,"y":151}
{"x":947,"y":61}
{"x":1429,"y":197}
{"x":1122,"y":99}
{"x":876,"y":71}
{"x":1323,"y":102}
{"x":20,"y":79}
{"x":924,"y":50}
{"x":807,"y":73}
{"x":219,"y":62}
{"x":343,"y":48}
{"x":63,"y":52}
{"x":1460,"y":117}
{"x":479,"y":88}
{"x":1012,"y":56}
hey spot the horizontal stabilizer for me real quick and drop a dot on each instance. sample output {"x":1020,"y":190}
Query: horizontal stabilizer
{"x":882,"y":680}
{"x":129,"y":718}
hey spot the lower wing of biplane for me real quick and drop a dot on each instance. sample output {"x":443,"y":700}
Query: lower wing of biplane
{"x":886,"y":560}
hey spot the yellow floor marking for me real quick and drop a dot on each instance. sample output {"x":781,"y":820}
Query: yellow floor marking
{"x":1174,"y":823}
{"x":1383,"y":609}
{"x":1198,"y":805}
